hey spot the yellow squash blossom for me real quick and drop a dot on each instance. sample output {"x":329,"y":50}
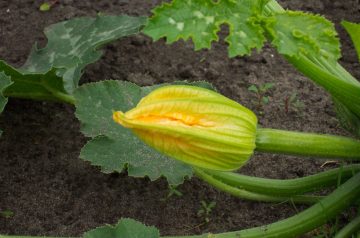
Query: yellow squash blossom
{"x":195,"y":125}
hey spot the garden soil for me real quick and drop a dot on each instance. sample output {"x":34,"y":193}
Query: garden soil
{"x":53,"y":192}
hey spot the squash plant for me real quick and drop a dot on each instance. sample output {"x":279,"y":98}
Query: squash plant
{"x":307,"y":41}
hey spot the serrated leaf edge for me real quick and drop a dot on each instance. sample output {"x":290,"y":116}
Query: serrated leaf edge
{"x":271,"y":20}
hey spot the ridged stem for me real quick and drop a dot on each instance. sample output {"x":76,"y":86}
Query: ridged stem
{"x":287,"y":187}
{"x":307,"y":144}
{"x":350,"y":229}
{"x":304,"y":221}
{"x":260,"y":197}
{"x":331,"y":76}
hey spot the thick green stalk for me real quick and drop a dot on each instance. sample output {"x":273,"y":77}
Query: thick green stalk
{"x":301,"y":223}
{"x":345,"y":91}
{"x":307,"y":144}
{"x":54,"y":97}
{"x":63,"y":97}
{"x":330,"y":75}
{"x":260,"y":197}
{"x":288,"y":187}
{"x":350,"y":229}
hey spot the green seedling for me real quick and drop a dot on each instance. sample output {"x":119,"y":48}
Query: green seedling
{"x":293,"y":103}
{"x":205,"y":210}
{"x":173,"y":191}
{"x":261,"y":92}
{"x":6,"y":214}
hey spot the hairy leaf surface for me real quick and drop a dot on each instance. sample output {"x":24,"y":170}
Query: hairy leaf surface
{"x":296,"y":33}
{"x":354,"y":31}
{"x":126,"y":228}
{"x":114,"y":147}
{"x":200,"y":20}
{"x":4,"y":83}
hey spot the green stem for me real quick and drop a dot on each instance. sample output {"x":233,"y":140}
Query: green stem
{"x":301,"y":223}
{"x":331,"y":76}
{"x":244,"y":194}
{"x":345,"y":91}
{"x":287,"y":187}
{"x":349,"y":229}
{"x":307,"y":144}
{"x":59,"y":95}
{"x":304,"y":221}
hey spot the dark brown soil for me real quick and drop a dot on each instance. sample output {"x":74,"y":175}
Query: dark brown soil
{"x":52,"y":192}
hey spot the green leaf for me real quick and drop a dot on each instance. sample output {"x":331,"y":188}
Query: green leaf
{"x":126,"y":228}
{"x":267,"y":86}
{"x":74,"y":44}
{"x":113,"y":147}
{"x":4,"y":83}
{"x":44,"y":86}
{"x":53,"y":72}
{"x":253,"y":88}
{"x":45,"y":7}
{"x":200,"y":20}
{"x":265,"y":99}
{"x":354,"y":31}
{"x":298,"y":33}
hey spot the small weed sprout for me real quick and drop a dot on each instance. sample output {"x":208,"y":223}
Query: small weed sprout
{"x":293,"y":103}
{"x":6,"y":214}
{"x":205,"y":210}
{"x":261,"y":92}
{"x":173,"y":191}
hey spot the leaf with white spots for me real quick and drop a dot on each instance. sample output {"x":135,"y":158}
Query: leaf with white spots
{"x":4,"y":83}
{"x":298,"y":33}
{"x":74,"y":44}
{"x":113,"y":147}
{"x":52,"y":73}
{"x":200,"y":20}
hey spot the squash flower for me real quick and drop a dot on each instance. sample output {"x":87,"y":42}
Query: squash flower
{"x":194,"y":125}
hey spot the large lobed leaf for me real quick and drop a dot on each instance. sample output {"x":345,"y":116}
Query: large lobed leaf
{"x":201,"y":20}
{"x":298,"y":33}
{"x":113,"y":147}
{"x":53,"y":72}
{"x":354,"y":31}
{"x":293,"y":33}
{"x":126,"y":228}
{"x":74,"y":44}
{"x":4,"y":83}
